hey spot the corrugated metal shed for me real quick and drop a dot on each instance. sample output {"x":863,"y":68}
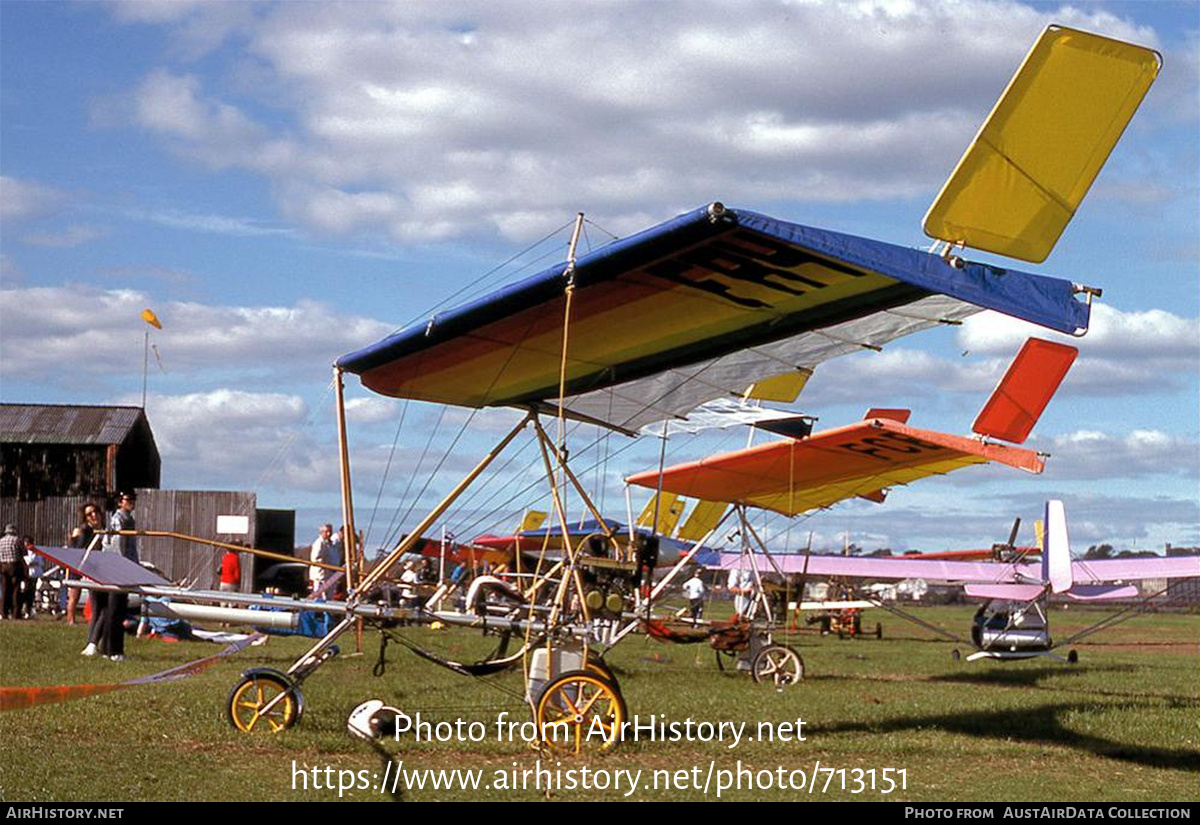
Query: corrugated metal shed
{"x":65,"y":424}
{"x":51,"y":450}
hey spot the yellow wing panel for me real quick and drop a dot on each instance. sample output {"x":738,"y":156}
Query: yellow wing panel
{"x":705,"y":516}
{"x":784,"y":388}
{"x":532,"y":520}
{"x":1022,"y":178}
{"x":661,"y":517}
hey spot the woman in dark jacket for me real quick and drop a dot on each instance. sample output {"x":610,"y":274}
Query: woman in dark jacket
{"x":81,"y":538}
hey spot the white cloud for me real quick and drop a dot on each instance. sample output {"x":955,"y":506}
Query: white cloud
{"x":1123,"y":352}
{"x":421,"y":121}
{"x":1088,"y":454}
{"x":212,"y":224}
{"x":23,"y":199}
{"x":214,"y":132}
{"x":68,"y":237}
{"x":234,"y":439}
{"x":48,"y":327}
{"x":1113,"y":333}
{"x":371,"y":410}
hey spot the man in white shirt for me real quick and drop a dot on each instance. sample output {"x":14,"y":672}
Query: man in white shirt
{"x":409,"y":595}
{"x":693,"y":588}
{"x":741,"y":587}
{"x":322,"y":550}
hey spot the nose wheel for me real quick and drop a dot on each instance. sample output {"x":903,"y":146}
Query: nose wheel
{"x":264,"y":701}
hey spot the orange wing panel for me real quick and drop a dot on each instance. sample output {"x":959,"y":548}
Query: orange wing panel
{"x":794,"y":476}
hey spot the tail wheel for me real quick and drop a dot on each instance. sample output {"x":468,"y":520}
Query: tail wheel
{"x":252,"y":705}
{"x":580,"y":711}
{"x":724,"y":657}
{"x":779,"y":665}
{"x":878,"y":630}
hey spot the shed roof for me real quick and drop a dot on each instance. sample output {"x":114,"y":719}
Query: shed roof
{"x":66,"y":423}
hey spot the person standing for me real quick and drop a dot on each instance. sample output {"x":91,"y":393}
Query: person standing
{"x":321,"y":553}
{"x":11,"y":570}
{"x":113,"y":628}
{"x":742,"y":587}
{"x":337,"y":557}
{"x":35,"y":567}
{"x":409,"y":595}
{"x":81,"y":539}
{"x":693,"y":588}
{"x":231,"y":573}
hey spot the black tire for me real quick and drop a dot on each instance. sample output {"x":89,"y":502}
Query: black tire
{"x":722,"y":656}
{"x":596,"y":664}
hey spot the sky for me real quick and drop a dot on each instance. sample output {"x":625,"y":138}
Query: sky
{"x":285,"y":183}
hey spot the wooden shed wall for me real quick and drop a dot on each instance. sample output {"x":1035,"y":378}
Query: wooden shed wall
{"x":193,"y":513}
{"x":190,"y":512}
{"x":50,"y":521}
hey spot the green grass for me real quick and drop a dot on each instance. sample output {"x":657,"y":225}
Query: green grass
{"x":1122,"y":725}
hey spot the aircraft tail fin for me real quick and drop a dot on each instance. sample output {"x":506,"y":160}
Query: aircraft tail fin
{"x":1026,"y":388}
{"x":891,"y":413}
{"x":1056,"y":555}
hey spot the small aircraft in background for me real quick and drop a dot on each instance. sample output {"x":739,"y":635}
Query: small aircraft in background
{"x":1012,"y":623}
{"x":805,"y":471}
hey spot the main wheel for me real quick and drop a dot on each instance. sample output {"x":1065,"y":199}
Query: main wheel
{"x":778,"y":664}
{"x":580,"y":711}
{"x":599,"y":667}
{"x":250,"y":697}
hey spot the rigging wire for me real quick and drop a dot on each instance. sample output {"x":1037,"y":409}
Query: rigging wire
{"x":438,"y":468}
{"x":393,"y":527}
{"x":493,"y":271}
{"x":386,"y":470}
{"x":499,"y":372}
{"x":481,"y":286}
{"x":591,"y":222}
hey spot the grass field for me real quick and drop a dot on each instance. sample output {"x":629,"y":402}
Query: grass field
{"x":1122,"y":725}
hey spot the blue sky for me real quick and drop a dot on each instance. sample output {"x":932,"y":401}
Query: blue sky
{"x":284,"y":183}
